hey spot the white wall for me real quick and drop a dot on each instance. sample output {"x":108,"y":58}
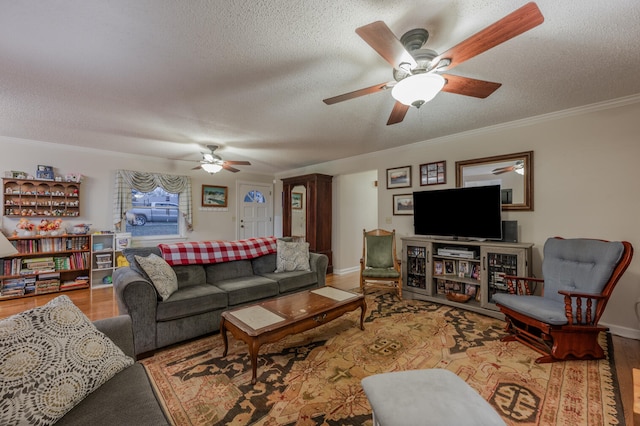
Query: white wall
{"x":99,"y":168}
{"x":586,"y":172}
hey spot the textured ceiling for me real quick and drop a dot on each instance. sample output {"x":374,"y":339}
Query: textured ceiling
{"x":164,"y":78}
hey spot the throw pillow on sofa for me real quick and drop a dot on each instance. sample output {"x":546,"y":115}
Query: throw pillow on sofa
{"x":292,"y":256}
{"x":51,"y":358}
{"x":160,"y":273}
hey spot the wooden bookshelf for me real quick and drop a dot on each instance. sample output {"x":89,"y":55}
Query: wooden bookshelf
{"x":46,"y":264}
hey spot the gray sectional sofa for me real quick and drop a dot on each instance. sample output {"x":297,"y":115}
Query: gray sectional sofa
{"x":127,"y":398}
{"x":204,"y":292}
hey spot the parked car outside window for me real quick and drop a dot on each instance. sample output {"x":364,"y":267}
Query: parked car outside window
{"x":156,"y":212}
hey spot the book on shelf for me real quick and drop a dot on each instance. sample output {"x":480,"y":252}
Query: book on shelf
{"x":49,"y":276}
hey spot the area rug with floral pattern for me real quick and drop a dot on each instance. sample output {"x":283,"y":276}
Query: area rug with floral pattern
{"x":313,"y":378}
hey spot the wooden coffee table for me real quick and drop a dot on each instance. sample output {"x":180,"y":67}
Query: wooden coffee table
{"x":270,"y":321}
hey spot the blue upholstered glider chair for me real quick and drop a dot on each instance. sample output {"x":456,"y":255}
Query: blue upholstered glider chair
{"x":562,"y":323}
{"x":379,"y":265}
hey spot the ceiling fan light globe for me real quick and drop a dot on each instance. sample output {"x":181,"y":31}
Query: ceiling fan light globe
{"x":418,"y":89}
{"x":211,"y":168}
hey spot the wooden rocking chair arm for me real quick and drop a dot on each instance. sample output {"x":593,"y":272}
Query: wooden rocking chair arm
{"x":532,"y":279}
{"x":582,"y":315}
{"x":576,"y":294}
{"x":520,"y":285}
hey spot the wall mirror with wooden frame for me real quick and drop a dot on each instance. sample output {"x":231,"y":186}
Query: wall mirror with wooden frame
{"x":307,"y":214}
{"x":513,"y":172}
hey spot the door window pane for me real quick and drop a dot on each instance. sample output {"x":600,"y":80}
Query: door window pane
{"x":254,"y":197}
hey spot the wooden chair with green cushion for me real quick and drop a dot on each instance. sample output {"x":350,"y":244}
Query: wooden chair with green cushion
{"x":379,"y":265}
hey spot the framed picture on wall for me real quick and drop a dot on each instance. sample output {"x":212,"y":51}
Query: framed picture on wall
{"x":214,"y":196}
{"x":296,"y":200}
{"x":433,"y":173}
{"x":399,"y":177}
{"x":44,"y":172}
{"x":402,"y":204}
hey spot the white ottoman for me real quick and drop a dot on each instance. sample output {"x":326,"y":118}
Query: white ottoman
{"x":426,"y":397}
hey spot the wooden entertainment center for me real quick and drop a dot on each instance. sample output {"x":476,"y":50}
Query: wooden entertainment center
{"x":464,"y":274}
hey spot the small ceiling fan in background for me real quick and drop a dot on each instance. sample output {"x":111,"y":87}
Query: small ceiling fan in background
{"x":518,"y":167}
{"x":213,"y":163}
{"x":417,"y":74}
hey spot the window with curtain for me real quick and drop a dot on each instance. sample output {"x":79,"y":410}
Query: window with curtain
{"x":153,"y":213}
{"x":170,"y":194}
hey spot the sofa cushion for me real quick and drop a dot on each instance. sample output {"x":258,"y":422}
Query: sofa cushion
{"x":191,"y":300}
{"x":293,"y":280}
{"x":264,"y":264}
{"x":217,"y":272}
{"x":248,"y":289}
{"x":292,"y":256}
{"x":160,"y":273}
{"x":51,"y":358}
{"x":125,"y":399}
{"x":131,"y":252}
{"x":190,"y":275}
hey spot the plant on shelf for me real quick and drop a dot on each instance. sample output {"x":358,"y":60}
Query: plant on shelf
{"x":47,"y":226}
{"x":25,"y":227}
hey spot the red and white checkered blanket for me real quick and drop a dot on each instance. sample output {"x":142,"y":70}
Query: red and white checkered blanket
{"x":203,"y":252}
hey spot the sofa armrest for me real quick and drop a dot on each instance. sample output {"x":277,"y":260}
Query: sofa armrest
{"x":137,"y":298}
{"x":119,"y":330}
{"x":318,"y":263}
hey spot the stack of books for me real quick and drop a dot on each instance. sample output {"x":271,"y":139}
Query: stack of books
{"x":48,"y":283}
{"x":13,"y":287}
{"x":37,"y":265}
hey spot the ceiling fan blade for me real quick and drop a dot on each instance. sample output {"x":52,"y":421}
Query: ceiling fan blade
{"x":356,"y":93}
{"x":512,"y":25}
{"x":238,"y":163}
{"x":231,"y":169}
{"x":501,"y":170}
{"x":196,"y":168}
{"x":398,"y":113}
{"x":469,"y":86}
{"x":382,"y":40}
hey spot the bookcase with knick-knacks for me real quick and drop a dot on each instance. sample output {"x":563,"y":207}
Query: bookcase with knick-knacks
{"x":465,"y":274}
{"x":45,"y":264}
{"x":107,"y":256}
{"x":40,"y":198}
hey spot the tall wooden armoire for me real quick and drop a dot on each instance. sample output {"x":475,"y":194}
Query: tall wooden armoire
{"x":318,"y":211}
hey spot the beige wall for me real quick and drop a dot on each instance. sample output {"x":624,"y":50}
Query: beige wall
{"x":585,"y":185}
{"x":586,"y":174}
{"x":355,"y":202}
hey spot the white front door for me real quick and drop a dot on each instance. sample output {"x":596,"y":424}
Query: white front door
{"x":255,"y":215}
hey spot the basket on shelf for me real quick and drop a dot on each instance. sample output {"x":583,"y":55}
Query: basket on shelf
{"x":458,"y":297}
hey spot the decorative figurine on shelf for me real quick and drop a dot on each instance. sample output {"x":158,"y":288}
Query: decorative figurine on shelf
{"x":73,"y":177}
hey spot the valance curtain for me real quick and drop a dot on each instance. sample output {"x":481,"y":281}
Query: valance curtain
{"x":126,"y":180}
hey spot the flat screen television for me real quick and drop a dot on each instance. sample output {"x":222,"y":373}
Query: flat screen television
{"x":473,"y":212}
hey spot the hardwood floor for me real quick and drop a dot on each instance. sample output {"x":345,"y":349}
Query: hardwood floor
{"x":100,"y":303}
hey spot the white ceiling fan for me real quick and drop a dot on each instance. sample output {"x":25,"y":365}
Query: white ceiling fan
{"x":213,"y":163}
